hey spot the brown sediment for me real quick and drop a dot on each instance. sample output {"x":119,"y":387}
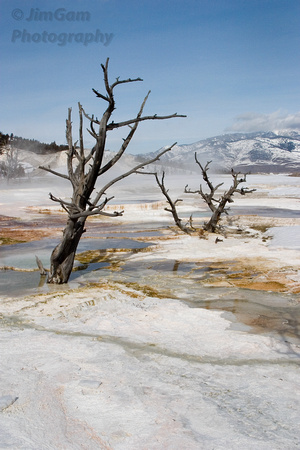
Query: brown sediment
{"x":5,"y":240}
{"x":14,"y":230}
{"x":17,"y":269}
{"x":282,"y":321}
{"x":18,"y":235}
{"x":100,"y":255}
{"x":148,"y":291}
{"x":43,"y":210}
{"x":248,"y":273}
{"x":273,"y":286}
{"x":254,"y":274}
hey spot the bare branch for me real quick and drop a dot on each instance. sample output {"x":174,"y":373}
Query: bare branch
{"x":42,"y":270}
{"x":80,"y":132}
{"x":67,"y":206}
{"x":95,"y":212}
{"x":204,"y":173}
{"x":105,"y":73}
{"x":61,"y":201}
{"x":47,"y":169}
{"x":71,"y":150}
{"x":75,"y":152}
{"x":100,"y":95}
{"x":133,"y":170}
{"x":113,"y":125}
{"x":93,"y":134}
{"x":129,"y":80}
{"x":244,"y":191}
{"x":189,"y":191}
{"x":126,"y":141}
{"x":172,"y":204}
{"x":190,"y":222}
{"x":91,"y":119}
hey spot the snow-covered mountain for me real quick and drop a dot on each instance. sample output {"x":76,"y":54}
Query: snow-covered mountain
{"x":264,"y":152}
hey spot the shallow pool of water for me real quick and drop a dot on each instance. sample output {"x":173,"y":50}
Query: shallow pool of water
{"x":253,"y":210}
{"x":261,"y":312}
{"x":257,"y":311}
{"x":265,"y":211}
{"x":15,"y":283}
{"x":248,"y":310}
{"x":22,"y":256}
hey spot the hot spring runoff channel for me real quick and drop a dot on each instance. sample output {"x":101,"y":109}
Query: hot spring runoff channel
{"x":261,"y":312}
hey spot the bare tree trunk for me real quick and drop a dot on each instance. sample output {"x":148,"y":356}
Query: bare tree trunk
{"x":62,"y":257}
{"x":84,"y":170}
{"x":212,"y":224}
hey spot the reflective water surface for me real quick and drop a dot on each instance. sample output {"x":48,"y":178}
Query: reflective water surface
{"x":107,"y":248}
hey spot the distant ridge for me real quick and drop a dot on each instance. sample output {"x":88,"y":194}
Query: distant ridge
{"x":258,"y":152}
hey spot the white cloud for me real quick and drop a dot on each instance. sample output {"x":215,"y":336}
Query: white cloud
{"x":249,"y":122}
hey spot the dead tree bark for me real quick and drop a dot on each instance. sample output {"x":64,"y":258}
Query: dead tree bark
{"x":218,"y":205}
{"x":84,"y":170}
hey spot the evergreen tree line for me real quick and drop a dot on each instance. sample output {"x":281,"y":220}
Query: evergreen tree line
{"x":31,"y":145}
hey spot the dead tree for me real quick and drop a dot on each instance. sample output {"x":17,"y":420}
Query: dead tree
{"x":84,"y":170}
{"x":218,"y":205}
{"x":172,"y":203}
{"x":11,"y":168}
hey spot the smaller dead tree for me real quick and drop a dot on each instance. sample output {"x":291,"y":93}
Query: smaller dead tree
{"x":218,"y":205}
{"x":172,"y":209}
{"x":11,"y":168}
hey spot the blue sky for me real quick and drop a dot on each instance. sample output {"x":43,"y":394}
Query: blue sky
{"x":229,"y":65}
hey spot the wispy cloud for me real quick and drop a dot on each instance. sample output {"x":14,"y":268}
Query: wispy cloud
{"x":277,"y":120}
